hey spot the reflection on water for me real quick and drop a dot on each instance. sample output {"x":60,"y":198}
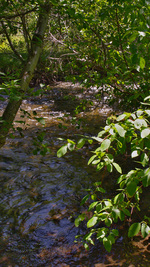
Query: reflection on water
{"x":40,"y":198}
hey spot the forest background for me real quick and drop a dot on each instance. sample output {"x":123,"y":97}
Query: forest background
{"x":105,"y":44}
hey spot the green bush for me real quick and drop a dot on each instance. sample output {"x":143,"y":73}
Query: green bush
{"x":128,"y":133}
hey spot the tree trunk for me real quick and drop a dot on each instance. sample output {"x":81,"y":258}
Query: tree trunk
{"x":36,"y":44}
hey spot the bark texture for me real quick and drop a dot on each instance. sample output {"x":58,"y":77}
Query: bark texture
{"x":36,"y":44}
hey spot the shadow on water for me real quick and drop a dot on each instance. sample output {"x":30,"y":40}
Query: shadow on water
{"x":40,"y":198}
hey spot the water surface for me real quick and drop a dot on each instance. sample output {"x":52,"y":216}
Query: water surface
{"x":40,"y":195}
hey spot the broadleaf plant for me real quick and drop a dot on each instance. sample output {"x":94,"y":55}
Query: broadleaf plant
{"x":127,"y":134}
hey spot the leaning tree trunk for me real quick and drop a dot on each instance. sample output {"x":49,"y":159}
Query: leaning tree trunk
{"x":36,"y":44}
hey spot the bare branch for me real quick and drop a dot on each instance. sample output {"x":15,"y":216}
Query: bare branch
{"x":64,"y":55}
{"x":60,"y":42}
{"x":10,"y":43}
{"x":11,"y":16}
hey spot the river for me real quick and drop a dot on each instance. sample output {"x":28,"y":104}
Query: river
{"x":40,"y":195}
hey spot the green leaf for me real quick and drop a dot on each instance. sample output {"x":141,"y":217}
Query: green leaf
{"x":111,"y":238}
{"x":105,"y":144}
{"x":97,"y":183}
{"x":110,"y":157}
{"x":91,"y":159}
{"x":99,"y":207}
{"x":134,"y":229}
{"x":1,"y":73}
{"x":147,"y":112}
{"x":97,"y":139}
{"x":121,"y":178}
{"x":138,"y":123}
{"x":115,"y":232}
{"x":107,"y":244}
{"x":142,"y":63}
{"x":118,"y":168}
{"x":108,"y":203}
{"x":92,"y":205}
{"x":135,"y":153}
{"x":84,"y":199}
{"x":77,"y":222}
{"x":115,"y":214}
{"x":145,"y":133}
{"x":81,"y":143}
{"x":144,"y":159}
{"x":109,"y":167}
{"x":126,"y":212}
{"x":118,"y":198}
{"x":90,"y":141}
{"x":71,"y":146}
{"x":87,"y":237}
{"x":146,"y":178}
{"x":95,"y":162}
{"x":120,"y":130}
{"x":71,"y":142}
{"x":101,"y":133}
{"x":100,"y":189}
{"x":79,"y":219}
{"x":121,"y":117}
{"x":145,"y":230}
{"x":102,"y":232}
{"x":133,"y":37}
{"x":100,"y":166}
{"x":121,"y":215}
{"x":142,"y":33}
{"x":92,"y":222}
{"x":139,"y":112}
{"x":131,"y":188}
{"x":86,"y":246}
{"x":62,"y":151}
{"x":93,"y":196}
{"x":108,"y":222}
{"x":146,"y":98}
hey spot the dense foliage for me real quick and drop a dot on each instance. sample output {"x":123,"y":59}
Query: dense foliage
{"x":95,"y":42}
{"x":100,"y":43}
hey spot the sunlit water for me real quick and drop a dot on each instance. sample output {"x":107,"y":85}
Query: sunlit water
{"x":40,"y":195}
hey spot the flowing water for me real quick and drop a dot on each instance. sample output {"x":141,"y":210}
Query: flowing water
{"x":40,"y":195}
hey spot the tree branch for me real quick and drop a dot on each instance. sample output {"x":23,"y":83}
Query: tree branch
{"x":55,"y":40}
{"x":11,"y":44}
{"x":11,"y":16}
{"x":25,"y":33}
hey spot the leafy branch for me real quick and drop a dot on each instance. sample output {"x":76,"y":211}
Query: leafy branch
{"x":127,"y":128}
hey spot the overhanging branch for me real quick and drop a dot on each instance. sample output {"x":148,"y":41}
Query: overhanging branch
{"x":15,"y":15}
